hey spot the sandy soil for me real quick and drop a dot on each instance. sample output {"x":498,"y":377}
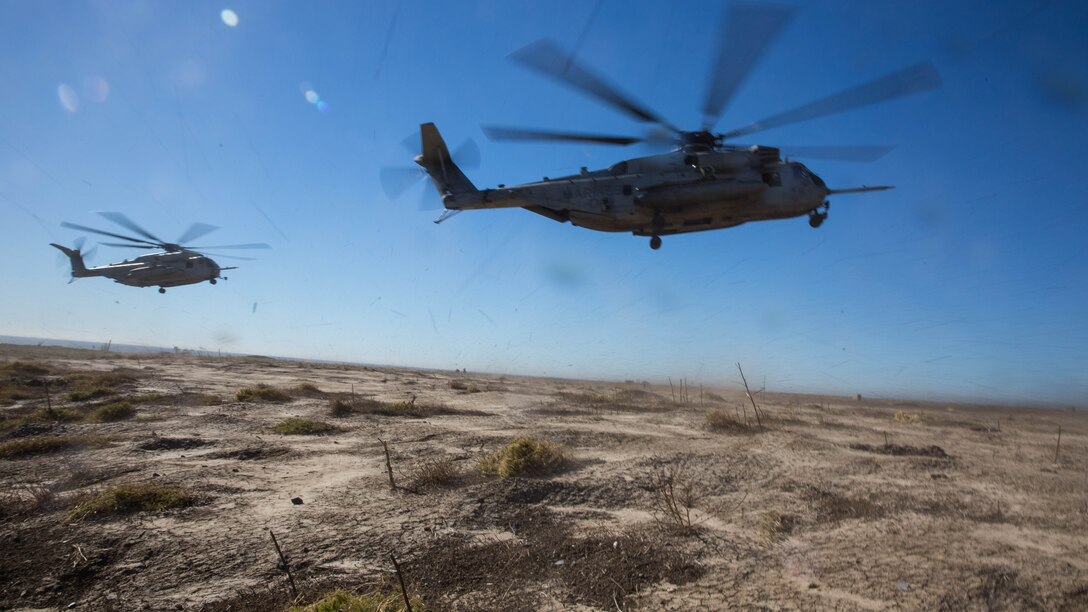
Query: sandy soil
{"x":836,"y":505}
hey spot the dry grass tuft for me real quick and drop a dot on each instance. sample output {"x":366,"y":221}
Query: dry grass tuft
{"x":26,"y":368}
{"x":262,"y":393}
{"x":298,"y":426}
{"x":40,"y":445}
{"x":83,"y":395}
{"x":525,"y":456}
{"x":112,"y":412}
{"x":435,"y":474}
{"x":378,"y":600}
{"x":340,"y":408}
{"x":408,"y":408}
{"x":130,"y":499}
{"x":775,"y":526}
{"x":902,"y":416}
{"x":722,"y":422}
{"x":308,"y":390}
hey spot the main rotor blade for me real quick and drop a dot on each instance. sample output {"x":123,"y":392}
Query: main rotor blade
{"x":195,"y":231}
{"x":125,"y":222}
{"x":229,"y":256}
{"x":915,"y":79}
{"x":128,"y":246}
{"x":547,"y":58}
{"x":853,"y":153}
{"x":398,"y":179}
{"x":253,"y":245}
{"x":511,"y":133}
{"x":104,"y":233}
{"x":746,"y":34}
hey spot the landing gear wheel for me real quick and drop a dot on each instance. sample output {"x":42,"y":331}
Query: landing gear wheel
{"x":162,"y":289}
{"x":655,"y":242}
{"x":816,"y":219}
{"x":211,"y":280}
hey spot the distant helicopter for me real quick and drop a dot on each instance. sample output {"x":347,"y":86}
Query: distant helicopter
{"x":704,"y":183}
{"x":176,"y":265}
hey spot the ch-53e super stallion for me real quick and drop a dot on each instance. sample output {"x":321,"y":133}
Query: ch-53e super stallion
{"x":706,"y":182}
{"x":175,"y":265}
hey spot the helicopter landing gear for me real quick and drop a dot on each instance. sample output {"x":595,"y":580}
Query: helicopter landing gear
{"x":816,"y":217}
{"x":162,"y":289}
{"x":211,"y":280}
{"x":655,"y":242}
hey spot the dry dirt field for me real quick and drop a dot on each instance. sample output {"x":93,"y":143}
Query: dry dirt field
{"x":143,"y":482}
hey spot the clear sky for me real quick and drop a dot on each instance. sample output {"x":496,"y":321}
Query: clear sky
{"x":967,"y":281}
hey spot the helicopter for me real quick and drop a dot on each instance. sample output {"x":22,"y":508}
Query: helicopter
{"x":706,"y":182}
{"x":174,"y":266}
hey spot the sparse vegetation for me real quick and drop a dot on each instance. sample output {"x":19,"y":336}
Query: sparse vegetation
{"x":408,"y":408}
{"x":298,"y":426}
{"x":340,"y":408}
{"x":26,"y":368}
{"x":902,"y":416}
{"x":378,"y":600}
{"x":722,"y":422}
{"x":84,"y":395}
{"x":262,"y":393}
{"x":775,"y":526}
{"x":457,"y":385}
{"x":525,"y":456}
{"x":39,"y":445}
{"x":114,"y":411}
{"x":308,"y":390}
{"x":435,"y":474}
{"x":132,"y":498}
{"x":144,"y":398}
{"x":673,"y":495}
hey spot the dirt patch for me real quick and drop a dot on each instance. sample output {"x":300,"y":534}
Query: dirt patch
{"x":833,"y":507}
{"x":251,"y":453}
{"x":995,"y":588}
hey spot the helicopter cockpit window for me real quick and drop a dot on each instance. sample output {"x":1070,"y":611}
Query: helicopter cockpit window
{"x":620,"y":168}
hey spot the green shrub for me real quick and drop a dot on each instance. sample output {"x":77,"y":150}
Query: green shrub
{"x":262,"y":393}
{"x":114,"y":411}
{"x":130,"y":499}
{"x":297,"y":426}
{"x":524,"y":456}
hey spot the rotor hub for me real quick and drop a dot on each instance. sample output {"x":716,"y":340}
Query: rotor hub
{"x":702,"y":140}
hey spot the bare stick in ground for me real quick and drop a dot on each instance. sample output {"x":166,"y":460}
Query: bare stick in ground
{"x":750,"y":398}
{"x":286,"y":566}
{"x":400,"y":578}
{"x":388,"y":465}
{"x":1058,"y":448}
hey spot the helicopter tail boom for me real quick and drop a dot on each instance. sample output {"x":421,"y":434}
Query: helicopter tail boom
{"x":436,"y":160}
{"x":79,"y":270}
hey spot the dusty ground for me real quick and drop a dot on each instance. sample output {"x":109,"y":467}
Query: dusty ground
{"x":965,"y":509}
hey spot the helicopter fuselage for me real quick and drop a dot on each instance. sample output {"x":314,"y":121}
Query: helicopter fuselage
{"x":165,"y":269}
{"x":672,"y":193}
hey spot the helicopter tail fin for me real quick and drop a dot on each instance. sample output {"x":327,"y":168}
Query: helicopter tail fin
{"x":79,"y":270}
{"x":436,"y":160}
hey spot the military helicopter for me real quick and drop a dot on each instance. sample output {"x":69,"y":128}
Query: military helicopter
{"x":176,"y":265}
{"x":706,"y":182}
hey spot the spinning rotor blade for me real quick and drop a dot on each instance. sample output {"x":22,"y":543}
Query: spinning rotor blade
{"x":253,"y":245}
{"x":104,"y":233}
{"x":195,"y":231}
{"x":129,"y":224}
{"x":747,"y":32}
{"x":855,"y":153}
{"x":398,"y":179}
{"x":547,"y":58}
{"x":915,"y":79}
{"x":467,"y":155}
{"x":510,"y":133}
{"x":229,"y":256}
{"x":129,"y":246}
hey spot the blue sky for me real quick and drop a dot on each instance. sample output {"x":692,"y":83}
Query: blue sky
{"x":967,"y":281}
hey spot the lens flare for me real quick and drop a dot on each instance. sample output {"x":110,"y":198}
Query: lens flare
{"x":311,"y":96}
{"x":97,"y":88}
{"x":323,"y":106}
{"x":68,"y":98}
{"x":229,"y":17}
